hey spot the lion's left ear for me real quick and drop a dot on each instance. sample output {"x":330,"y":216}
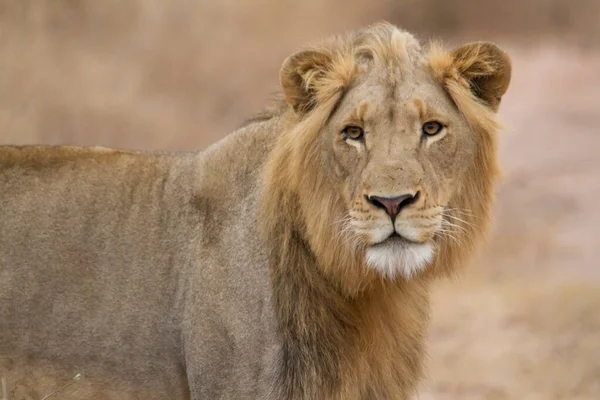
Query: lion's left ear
{"x":482,"y":66}
{"x":298,"y":76}
{"x":311,"y":77}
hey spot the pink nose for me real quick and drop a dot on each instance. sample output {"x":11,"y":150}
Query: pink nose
{"x":393,"y":205}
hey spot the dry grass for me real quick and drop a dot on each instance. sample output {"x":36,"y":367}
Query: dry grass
{"x":523,"y":323}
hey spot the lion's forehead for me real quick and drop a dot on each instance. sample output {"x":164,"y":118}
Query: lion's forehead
{"x":417,"y":99}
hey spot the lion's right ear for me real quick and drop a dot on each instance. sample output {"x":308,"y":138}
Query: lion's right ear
{"x":481,"y":67}
{"x":299,"y":77}
{"x":486,"y":67}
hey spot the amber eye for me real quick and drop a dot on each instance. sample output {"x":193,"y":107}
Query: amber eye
{"x":353,"y":132}
{"x":432,"y":128}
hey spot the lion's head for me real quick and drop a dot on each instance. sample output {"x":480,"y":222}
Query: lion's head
{"x":387,"y":161}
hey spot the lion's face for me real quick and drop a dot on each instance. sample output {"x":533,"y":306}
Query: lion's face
{"x":392,"y":154}
{"x":396,"y":154}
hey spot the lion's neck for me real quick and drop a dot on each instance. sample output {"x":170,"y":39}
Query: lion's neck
{"x":365,"y":346}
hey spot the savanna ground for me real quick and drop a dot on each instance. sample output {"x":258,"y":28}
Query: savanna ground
{"x":523,"y":321}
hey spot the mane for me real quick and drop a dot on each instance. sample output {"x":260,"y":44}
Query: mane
{"x":323,"y":289}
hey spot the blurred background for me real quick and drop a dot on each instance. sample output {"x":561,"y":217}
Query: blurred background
{"x":524,"y":321}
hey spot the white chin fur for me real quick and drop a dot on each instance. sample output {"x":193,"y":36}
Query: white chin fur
{"x":393,"y":259}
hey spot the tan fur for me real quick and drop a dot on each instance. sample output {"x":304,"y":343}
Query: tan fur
{"x":241,"y":271}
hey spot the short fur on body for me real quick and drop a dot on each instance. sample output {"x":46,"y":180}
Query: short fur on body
{"x":262,"y":267}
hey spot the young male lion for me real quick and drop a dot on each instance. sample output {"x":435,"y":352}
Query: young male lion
{"x":291,"y":260}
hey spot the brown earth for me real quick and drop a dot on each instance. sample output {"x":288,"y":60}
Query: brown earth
{"x":523,"y":322}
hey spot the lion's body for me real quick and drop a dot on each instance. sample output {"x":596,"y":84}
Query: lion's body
{"x":113,"y":265}
{"x":289,"y":261}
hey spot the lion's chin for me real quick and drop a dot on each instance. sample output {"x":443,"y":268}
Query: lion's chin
{"x":398,"y":256}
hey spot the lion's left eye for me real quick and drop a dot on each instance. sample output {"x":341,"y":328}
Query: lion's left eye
{"x":432,"y":128}
{"x":353,"y":132}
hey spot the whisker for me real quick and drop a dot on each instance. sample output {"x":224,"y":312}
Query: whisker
{"x":446,"y":235}
{"x":459,"y":219}
{"x":461,"y":211}
{"x":461,"y":228}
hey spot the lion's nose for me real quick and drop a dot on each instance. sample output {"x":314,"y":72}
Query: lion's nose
{"x":393,"y":205}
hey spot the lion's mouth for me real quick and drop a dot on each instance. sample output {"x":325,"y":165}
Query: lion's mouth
{"x":395,"y":239}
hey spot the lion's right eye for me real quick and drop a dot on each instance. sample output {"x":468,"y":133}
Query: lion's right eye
{"x":353,"y":132}
{"x":432,"y":128}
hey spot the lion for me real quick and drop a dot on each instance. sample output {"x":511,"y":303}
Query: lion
{"x":290,"y":260}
